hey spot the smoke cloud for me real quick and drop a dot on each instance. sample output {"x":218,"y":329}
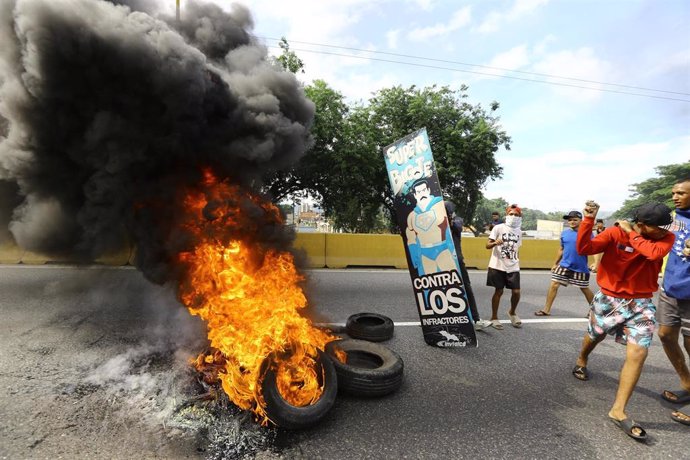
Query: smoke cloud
{"x":107,"y":108}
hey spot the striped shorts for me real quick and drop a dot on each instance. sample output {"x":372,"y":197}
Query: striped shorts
{"x":566,"y":276}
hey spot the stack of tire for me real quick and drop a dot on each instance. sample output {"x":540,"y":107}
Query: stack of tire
{"x":370,"y":370}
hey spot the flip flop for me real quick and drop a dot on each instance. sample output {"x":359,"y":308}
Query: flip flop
{"x":628,"y":425}
{"x":497,"y":324}
{"x":515,"y":320}
{"x":541,"y":313}
{"x":679,"y":396}
{"x":679,"y":418}
{"x":581,"y":373}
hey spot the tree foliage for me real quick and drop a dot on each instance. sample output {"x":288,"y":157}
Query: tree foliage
{"x":654,"y":189}
{"x":464,"y":139}
{"x":288,"y":59}
{"x":529,"y":216}
{"x":345,"y":172}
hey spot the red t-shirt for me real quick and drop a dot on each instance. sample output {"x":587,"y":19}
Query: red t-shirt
{"x":630,"y":265}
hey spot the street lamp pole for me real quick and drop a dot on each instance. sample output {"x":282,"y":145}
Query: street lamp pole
{"x":177,"y":10}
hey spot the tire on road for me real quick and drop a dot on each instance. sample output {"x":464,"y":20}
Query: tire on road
{"x":290,"y":417}
{"x":369,"y":326}
{"x":371,"y":369}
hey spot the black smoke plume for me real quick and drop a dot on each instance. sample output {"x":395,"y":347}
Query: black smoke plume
{"x":108,"y":108}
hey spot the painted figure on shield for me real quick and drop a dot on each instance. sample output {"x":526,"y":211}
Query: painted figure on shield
{"x":427,"y":232}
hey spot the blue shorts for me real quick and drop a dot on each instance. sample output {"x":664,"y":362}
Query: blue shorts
{"x":432,"y":252}
{"x":628,"y":320}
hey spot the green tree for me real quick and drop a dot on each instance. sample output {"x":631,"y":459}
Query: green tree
{"x":344,"y":169}
{"x":464,"y":139}
{"x":288,"y":59}
{"x":485,"y":207}
{"x":654,"y":189}
{"x":311,"y":175}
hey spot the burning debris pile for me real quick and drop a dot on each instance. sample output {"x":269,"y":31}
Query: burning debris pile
{"x":118,"y":123}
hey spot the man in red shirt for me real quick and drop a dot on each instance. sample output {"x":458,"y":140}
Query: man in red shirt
{"x":628,"y":277}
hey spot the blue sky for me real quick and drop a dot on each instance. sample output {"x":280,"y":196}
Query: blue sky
{"x":570,"y":143}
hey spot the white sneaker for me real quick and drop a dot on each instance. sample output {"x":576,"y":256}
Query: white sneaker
{"x":482,"y":324}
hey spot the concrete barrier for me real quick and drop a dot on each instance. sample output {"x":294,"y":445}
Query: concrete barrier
{"x":339,"y":250}
{"x":314,"y":245}
{"x":355,"y":249}
{"x":118,"y":258}
{"x":10,"y":253}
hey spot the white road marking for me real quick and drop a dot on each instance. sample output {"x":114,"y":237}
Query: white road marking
{"x":504,"y":321}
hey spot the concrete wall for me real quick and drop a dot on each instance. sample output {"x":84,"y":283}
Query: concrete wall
{"x":337,"y":250}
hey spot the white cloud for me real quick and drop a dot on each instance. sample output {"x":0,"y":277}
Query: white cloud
{"x":564,"y":179}
{"x":513,"y":59}
{"x":578,"y":65}
{"x":495,"y":19}
{"x":426,"y":5}
{"x":673,"y":62}
{"x":459,"y":19}
{"x":392,"y":38}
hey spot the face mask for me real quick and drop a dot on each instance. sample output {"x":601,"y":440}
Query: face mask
{"x":513,"y":221}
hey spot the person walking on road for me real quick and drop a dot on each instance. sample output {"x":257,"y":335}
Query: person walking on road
{"x":570,"y":267}
{"x":673,"y":312}
{"x":628,"y":274}
{"x":504,"y":265}
{"x":456,"y":224}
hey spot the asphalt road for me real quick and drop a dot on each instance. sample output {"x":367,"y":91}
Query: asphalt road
{"x":93,"y":364}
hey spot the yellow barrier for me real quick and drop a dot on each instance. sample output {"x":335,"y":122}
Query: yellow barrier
{"x":355,"y":249}
{"x":339,"y":250}
{"x":314,"y":245}
{"x":10,"y":253}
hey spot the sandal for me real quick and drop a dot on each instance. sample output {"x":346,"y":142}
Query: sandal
{"x":629,"y":426}
{"x":676,"y":396}
{"x":515,"y":320}
{"x":680,"y":417}
{"x":581,"y":373}
{"x":496,"y":324}
{"x":541,"y":313}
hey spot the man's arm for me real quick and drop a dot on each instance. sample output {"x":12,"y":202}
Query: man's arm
{"x":585,"y":245}
{"x":412,"y":245}
{"x":651,"y":249}
{"x":494,"y":239}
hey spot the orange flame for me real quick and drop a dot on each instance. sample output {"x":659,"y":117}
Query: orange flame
{"x":250,"y":297}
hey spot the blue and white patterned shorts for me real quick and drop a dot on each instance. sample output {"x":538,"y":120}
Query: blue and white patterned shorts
{"x":628,"y":320}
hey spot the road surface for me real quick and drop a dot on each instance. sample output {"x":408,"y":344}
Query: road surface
{"x":94,"y":365}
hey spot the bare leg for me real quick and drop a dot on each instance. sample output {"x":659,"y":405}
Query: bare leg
{"x":588,"y":346}
{"x":669,"y":339}
{"x":551,"y":296}
{"x":630,"y":374}
{"x":589,"y":295}
{"x":495,"y":301}
{"x":514,"y":300}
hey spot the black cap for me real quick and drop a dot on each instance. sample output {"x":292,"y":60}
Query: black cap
{"x":577,"y":214}
{"x":657,"y":214}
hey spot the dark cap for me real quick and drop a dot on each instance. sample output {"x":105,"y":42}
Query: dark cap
{"x":577,"y":214}
{"x":657,"y":214}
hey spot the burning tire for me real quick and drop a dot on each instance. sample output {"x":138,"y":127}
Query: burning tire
{"x":371,"y":369}
{"x":290,"y":417}
{"x":369,"y":326}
